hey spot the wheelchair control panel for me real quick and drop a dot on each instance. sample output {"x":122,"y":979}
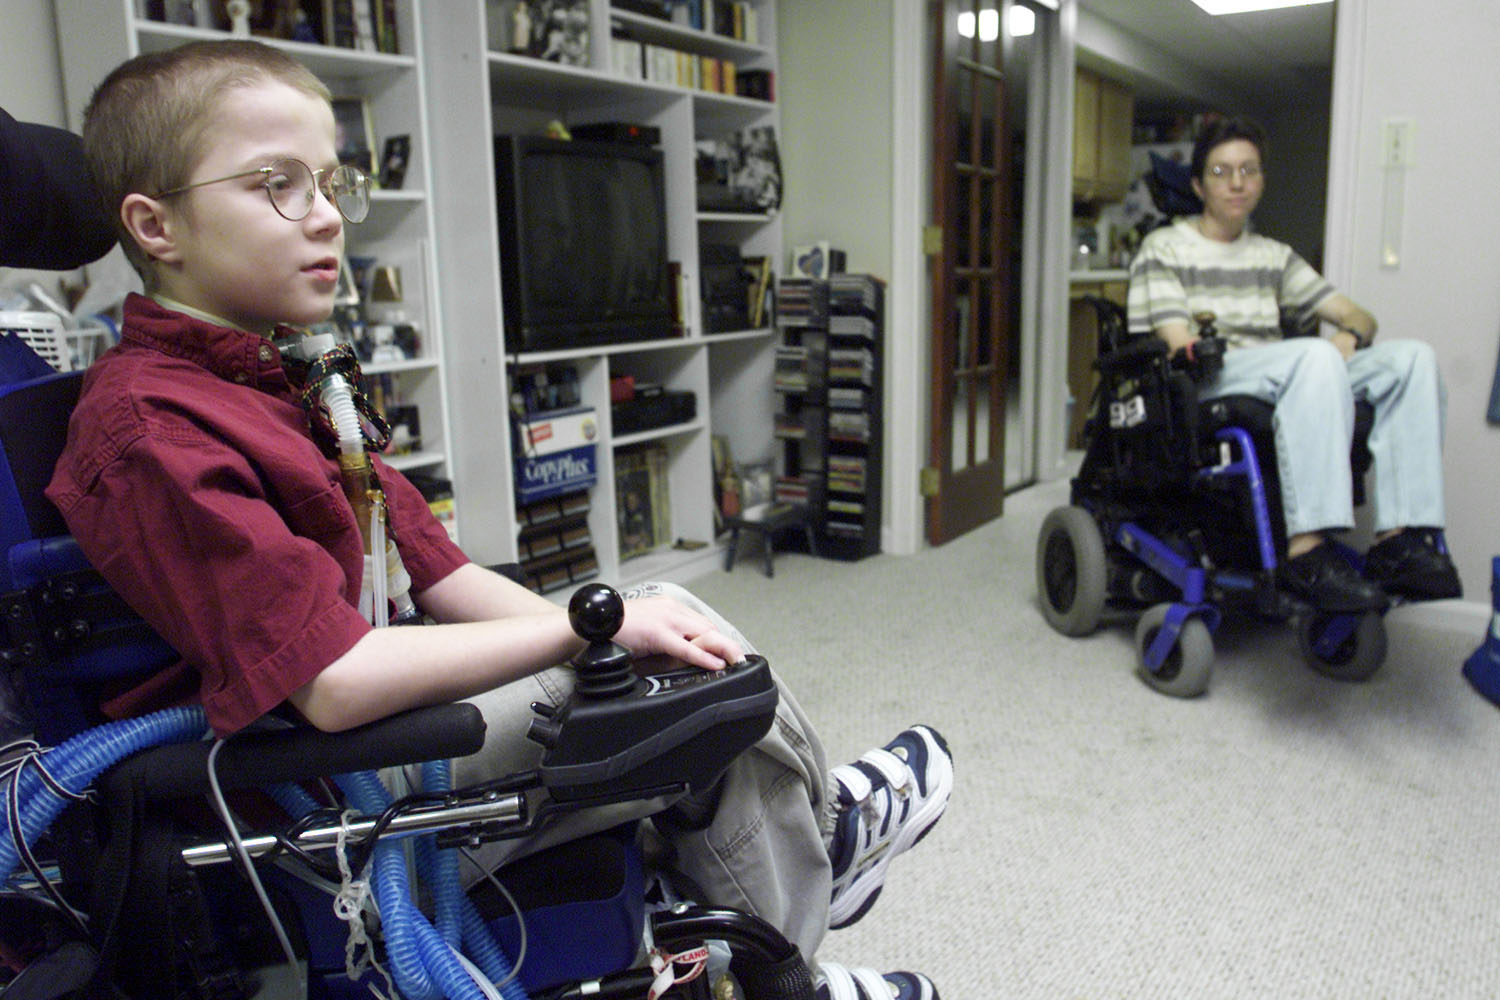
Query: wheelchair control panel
{"x":626,"y":736}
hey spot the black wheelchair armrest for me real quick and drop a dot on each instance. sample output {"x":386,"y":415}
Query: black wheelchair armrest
{"x":302,"y":753}
{"x":1133,"y":355}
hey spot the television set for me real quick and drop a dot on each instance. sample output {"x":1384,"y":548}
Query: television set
{"x":583,"y":243}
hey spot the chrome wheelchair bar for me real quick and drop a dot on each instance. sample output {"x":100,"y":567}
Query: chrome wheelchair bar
{"x":494,"y":808}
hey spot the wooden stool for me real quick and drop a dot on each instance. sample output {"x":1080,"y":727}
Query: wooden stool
{"x":765,"y":520}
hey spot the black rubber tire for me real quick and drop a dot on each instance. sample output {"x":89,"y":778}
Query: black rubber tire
{"x":1186,"y":670}
{"x":1071,"y":571}
{"x":1357,"y":657}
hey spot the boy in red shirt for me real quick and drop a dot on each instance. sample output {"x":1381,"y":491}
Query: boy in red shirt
{"x":194,"y":483}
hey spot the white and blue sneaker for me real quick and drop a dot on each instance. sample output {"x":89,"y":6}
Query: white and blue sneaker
{"x":835,"y":982}
{"x":887,"y":801}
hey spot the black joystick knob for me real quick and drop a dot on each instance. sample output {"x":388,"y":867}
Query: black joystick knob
{"x":596,"y":613}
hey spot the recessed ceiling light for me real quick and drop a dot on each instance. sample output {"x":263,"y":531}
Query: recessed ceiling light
{"x":1246,"y":6}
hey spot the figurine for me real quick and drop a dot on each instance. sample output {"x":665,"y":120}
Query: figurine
{"x":520,"y":27}
{"x":239,"y":17}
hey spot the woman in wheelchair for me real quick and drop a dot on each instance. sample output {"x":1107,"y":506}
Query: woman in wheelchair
{"x":1212,"y":263}
{"x":204,"y":483}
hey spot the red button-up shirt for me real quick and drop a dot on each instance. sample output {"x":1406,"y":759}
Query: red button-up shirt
{"x":191,"y":482}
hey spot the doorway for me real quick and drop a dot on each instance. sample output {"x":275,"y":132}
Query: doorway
{"x":984,"y":78}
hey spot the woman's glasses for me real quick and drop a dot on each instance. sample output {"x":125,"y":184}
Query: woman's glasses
{"x":292,"y":187}
{"x":1222,"y":171}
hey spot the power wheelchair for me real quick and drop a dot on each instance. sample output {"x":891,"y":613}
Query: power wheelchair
{"x":123,"y":882}
{"x":1174,"y":518}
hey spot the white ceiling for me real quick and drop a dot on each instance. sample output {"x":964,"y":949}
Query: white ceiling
{"x":1254,"y":55}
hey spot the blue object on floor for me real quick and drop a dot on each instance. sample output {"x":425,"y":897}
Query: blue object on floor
{"x":1483,"y":667}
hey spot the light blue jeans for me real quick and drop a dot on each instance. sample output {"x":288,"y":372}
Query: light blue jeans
{"x":764,"y":846}
{"x":1314,"y":390}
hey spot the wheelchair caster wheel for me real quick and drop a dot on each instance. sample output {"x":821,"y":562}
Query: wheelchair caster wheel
{"x":1345,"y":647}
{"x":1184,"y":673}
{"x":1071,"y":572}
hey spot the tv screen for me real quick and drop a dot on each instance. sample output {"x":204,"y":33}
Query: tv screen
{"x":583,"y":243}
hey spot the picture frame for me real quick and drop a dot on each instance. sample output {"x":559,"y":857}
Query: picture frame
{"x":553,"y":30}
{"x":394,"y":157}
{"x":810,"y":260}
{"x":347,"y":292}
{"x":354,"y":134}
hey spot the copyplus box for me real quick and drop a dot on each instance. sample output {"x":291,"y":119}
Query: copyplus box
{"x":556,"y":453}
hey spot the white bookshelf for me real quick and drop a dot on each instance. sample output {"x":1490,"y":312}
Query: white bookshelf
{"x":476,"y":93}
{"x":97,"y":35}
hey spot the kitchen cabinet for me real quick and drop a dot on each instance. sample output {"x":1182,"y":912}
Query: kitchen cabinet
{"x":1103,"y":113}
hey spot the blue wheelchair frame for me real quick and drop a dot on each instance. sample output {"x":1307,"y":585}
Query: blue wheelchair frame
{"x":64,"y":632}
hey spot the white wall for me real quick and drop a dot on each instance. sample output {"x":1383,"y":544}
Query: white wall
{"x":834,"y":64}
{"x":30,"y":70}
{"x":1434,"y":64}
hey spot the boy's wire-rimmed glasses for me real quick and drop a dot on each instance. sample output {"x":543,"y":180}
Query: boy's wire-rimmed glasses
{"x":292,"y":185}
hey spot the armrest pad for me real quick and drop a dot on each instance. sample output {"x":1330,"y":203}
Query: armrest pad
{"x":302,"y":753}
{"x":1146,"y":348}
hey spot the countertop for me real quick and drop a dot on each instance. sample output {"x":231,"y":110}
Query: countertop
{"x":1099,"y":274}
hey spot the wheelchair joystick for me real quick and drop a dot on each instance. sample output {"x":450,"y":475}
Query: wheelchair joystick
{"x":621,"y":735}
{"x":596,"y":613}
{"x":1204,"y":358}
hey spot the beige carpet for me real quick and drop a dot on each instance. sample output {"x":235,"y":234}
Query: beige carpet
{"x":1283,"y":836}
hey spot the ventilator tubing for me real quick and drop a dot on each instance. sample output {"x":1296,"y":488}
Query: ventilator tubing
{"x":423,"y":959}
{"x":383,"y":578}
{"x":74,"y":764}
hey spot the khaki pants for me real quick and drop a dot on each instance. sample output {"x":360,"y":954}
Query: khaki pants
{"x":761,"y":843}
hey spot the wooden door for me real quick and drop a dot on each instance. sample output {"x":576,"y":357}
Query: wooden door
{"x":970,"y":270}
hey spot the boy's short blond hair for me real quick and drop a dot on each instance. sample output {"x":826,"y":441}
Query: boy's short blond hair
{"x":146,"y":125}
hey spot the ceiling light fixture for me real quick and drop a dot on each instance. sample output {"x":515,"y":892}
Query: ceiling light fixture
{"x":1248,"y":6}
{"x":1019,"y":21}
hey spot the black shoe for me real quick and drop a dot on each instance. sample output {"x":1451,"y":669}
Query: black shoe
{"x":1325,"y":579}
{"x":1414,"y":564}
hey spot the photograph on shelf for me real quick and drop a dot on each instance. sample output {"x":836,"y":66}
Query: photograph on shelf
{"x":354,"y":136}
{"x":818,"y":260}
{"x":393,"y":160}
{"x":554,"y":30}
{"x":740,"y":172}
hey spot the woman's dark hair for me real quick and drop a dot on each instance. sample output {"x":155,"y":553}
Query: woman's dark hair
{"x":1218,"y":131}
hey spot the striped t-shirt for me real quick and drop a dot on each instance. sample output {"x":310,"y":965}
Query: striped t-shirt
{"x":1246,"y":283}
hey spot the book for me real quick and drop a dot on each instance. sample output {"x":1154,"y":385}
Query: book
{"x":364,"y":25}
{"x":339,"y":23}
{"x":642,"y":500}
{"x":758,"y":292}
{"x":387,"y":38}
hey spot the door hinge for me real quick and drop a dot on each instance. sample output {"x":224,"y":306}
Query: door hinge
{"x":932,"y":240}
{"x":928,"y":481}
